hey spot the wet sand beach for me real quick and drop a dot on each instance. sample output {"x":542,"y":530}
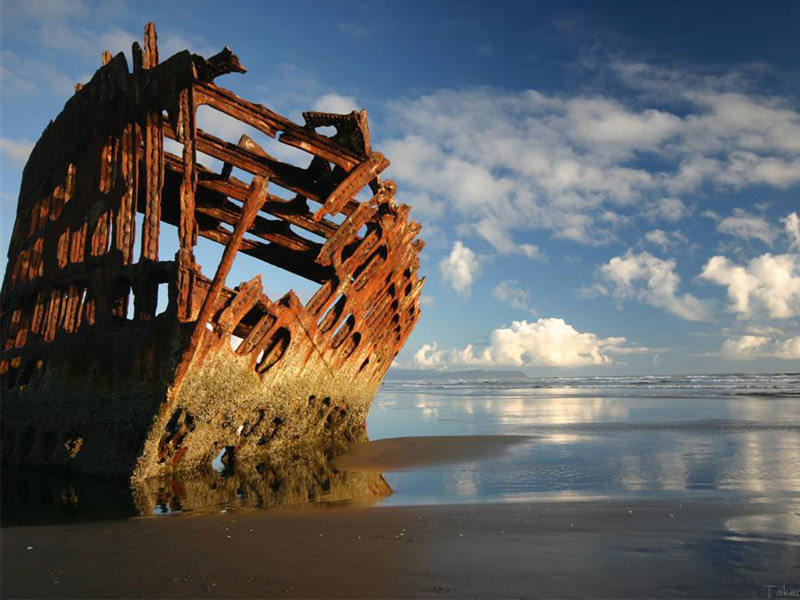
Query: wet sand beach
{"x":685,"y":488}
{"x":393,"y":454}
{"x":581,"y":549}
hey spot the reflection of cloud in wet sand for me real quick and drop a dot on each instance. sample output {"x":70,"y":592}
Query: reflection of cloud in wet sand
{"x":763,"y":461}
{"x":409,"y":452}
{"x":522,"y":410}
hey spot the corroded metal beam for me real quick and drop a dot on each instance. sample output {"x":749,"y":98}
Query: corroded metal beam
{"x":119,"y":356}
{"x":255,"y":200}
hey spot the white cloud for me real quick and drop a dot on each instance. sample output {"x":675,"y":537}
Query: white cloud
{"x":745,"y":346}
{"x":756,"y":123}
{"x":221,"y":125}
{"x":428,"y":356}
{"x":667,"y":209}
{"x":791,"y":226}
{"x":460,"y":268}
{"x":650,"y":280}
{"x":658,"y":237}
{"x":171,"y":41}
{"x":789,"y":349}
{"x":424,"y":206}
{"x":531,"y":251}
{"x":117,"y":40}
{"x":769,"y":285}
{"x":604,"y":123}
{"x":664,"y":239}
{"x":748,"y":226}
{"x":16,"y":151}
{"x":511,"y":293}
{"x":508,"y":163}
{"x":748,"y":347}
{"x":545,"y":342}
{"x":548,"y":342}
{"x":334,"y":103}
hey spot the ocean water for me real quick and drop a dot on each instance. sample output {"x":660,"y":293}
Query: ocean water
{"x":726,"y":436}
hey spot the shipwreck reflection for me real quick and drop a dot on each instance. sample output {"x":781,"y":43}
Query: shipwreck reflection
{"x":308,"y":477}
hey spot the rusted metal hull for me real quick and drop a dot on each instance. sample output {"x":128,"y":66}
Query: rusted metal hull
{"x":94,"y":380}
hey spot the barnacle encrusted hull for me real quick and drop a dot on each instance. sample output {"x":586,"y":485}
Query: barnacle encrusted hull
{"x":97,"y":377}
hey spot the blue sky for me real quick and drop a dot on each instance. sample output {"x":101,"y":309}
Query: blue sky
{"x":605,"y":187}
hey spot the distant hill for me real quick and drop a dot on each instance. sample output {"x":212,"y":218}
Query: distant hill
{"x":431,"y":375}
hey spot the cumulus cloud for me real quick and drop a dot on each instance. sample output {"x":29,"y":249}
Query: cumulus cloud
{"x":510,"y":292}
{"x":507,"y":163}
{"x":603,"y":123}
{"x":545,"y":342}
{"x":460,"y":268}
{"x":428,"y":357}
{"x":531,"y":251}
{"x":789,"y":349}
{"x":15,"y":151}
{"x":754,"y":123}
{"x":664,"y":239}
{"x":791,"y":226}
{"x":748,"y":347}
{"x":334,"y":103}
{"x":651,"y":280}
{"x":745,"y":225}
{"x":768,"y":285}
{"x":658,"y":237}
{"x":745,"y":346}
{"x":671,"y":210}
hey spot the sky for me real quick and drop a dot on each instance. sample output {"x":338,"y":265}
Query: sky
{"x":604,"y":187}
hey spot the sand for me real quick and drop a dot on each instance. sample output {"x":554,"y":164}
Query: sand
{"x":392,"y":454}
{"x":576,"y":549}
{"x":570,"y":547}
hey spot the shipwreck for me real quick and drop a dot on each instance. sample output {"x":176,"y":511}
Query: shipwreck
{"x":95,"y":378}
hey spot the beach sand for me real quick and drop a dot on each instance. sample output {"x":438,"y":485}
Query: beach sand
{"x":393,"y":454}
{"x":577,"y":549}
{"x":572,"y":547}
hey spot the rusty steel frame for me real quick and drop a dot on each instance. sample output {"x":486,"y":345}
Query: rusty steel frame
{"x":73,"y":269}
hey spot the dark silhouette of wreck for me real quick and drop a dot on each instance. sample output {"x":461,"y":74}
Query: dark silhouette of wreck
{"x":94,"y":380}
